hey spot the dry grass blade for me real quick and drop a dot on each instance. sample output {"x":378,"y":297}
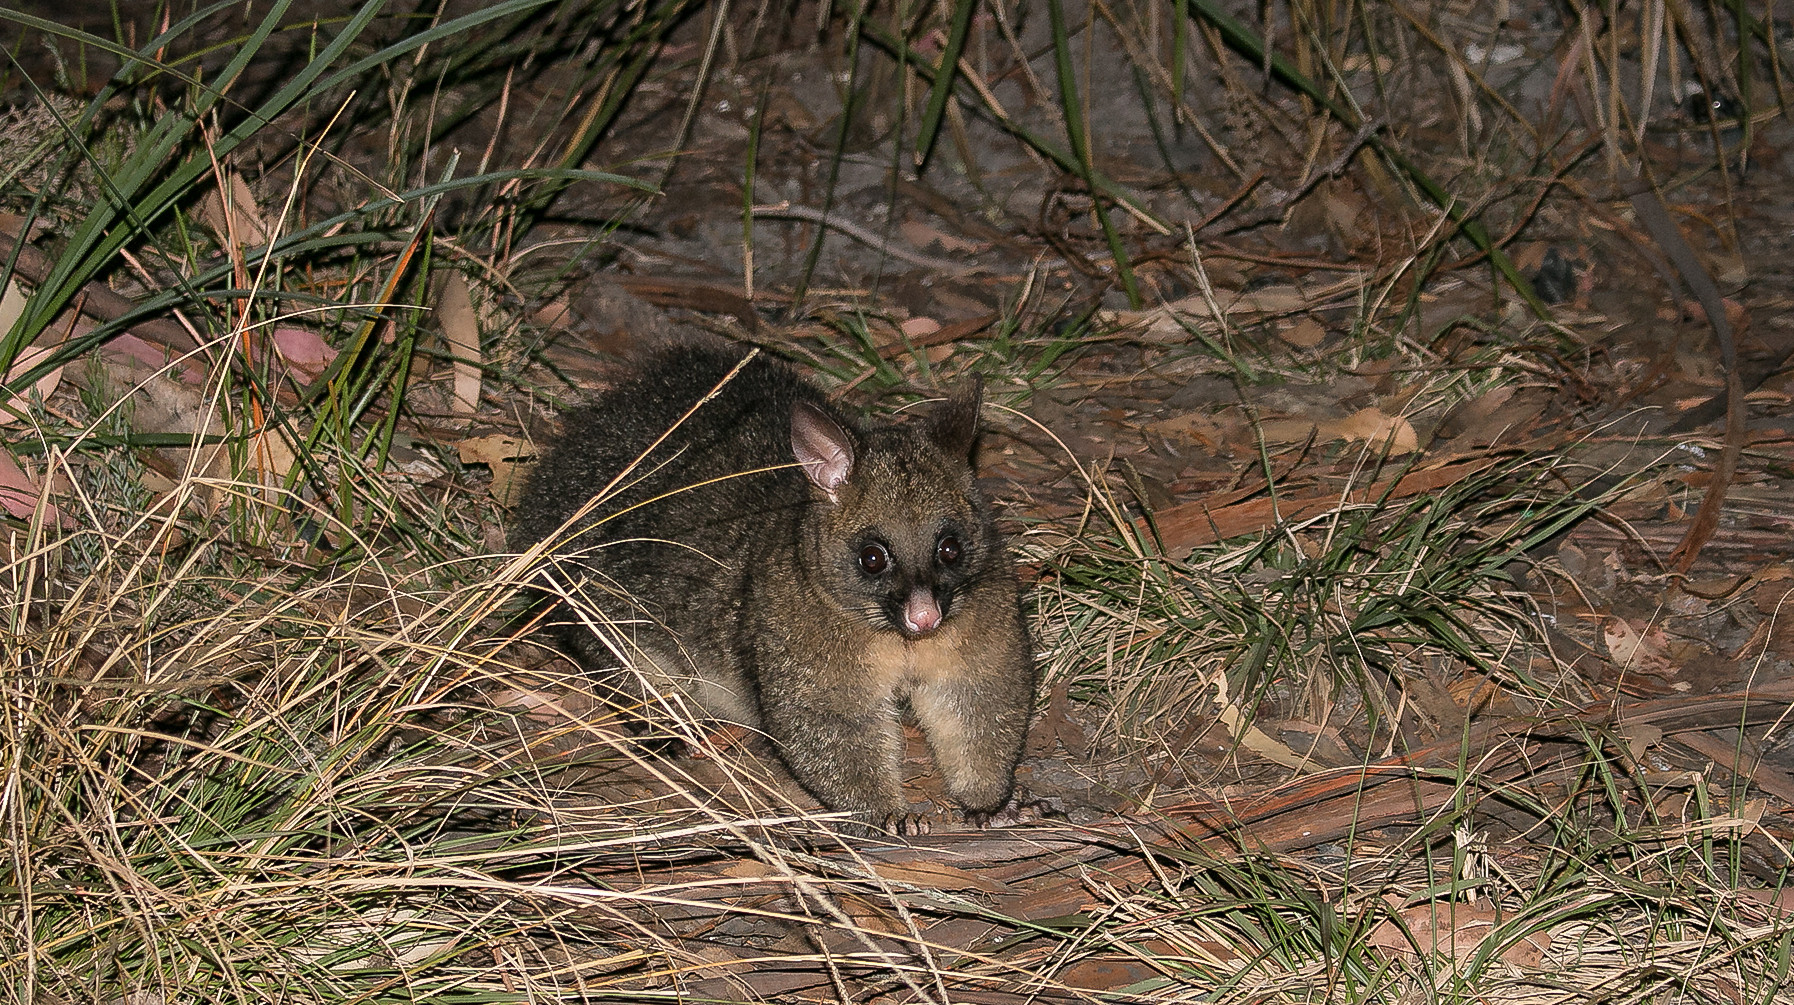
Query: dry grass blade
{"x":1369,"y":676}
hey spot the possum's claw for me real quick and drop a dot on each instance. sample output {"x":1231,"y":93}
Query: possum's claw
{"x":909,"y":824}
{"x":1015,"y":812}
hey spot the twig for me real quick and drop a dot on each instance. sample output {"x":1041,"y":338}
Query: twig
{"x":96,"y":300}
{"x":1655,"y":218}
{"x":786,"y":211}
{"x":1281,"y":205}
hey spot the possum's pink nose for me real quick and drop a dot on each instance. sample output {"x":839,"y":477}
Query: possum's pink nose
{"x":921,"y":614}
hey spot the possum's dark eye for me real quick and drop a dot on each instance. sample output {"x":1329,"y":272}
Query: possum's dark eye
{"x":948,"y":550}
{"x":874,"y":559}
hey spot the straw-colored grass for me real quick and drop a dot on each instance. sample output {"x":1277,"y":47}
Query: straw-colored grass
{"x":278,"y":724}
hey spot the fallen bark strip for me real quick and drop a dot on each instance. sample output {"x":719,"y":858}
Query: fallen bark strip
{"x":1193,"y":524}
{"x":1301,"y":813}
{"x":695,"y":295}
{"x":961,"y":888}
{"x":96,"y":299}
{"x":1326,"y":806}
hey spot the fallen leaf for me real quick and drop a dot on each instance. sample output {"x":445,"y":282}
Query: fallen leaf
{"x":1254,"y":739}
{"x":14,"y":408}
{"x":133,"y":349}
{"x":922,"y":235}
{"x":1371,"y":426}
{"x":1776,"y":903}
{"x":231,"y":211}
{"x":18,"y":493}
{"x":1203,"y":429}
{"x":1286,"y":430}
{"x":920,"y":327}
{"x":1454,"y":931}
{"x":1057,"y":728}
{"x":12,"y":305}
{"x":461,"y":329}
{"x":1306,"y":333}
{"x":509,"y":458}
{"x":164,"y":404}
{"x":1771,"y":596}
{"x":1645,"y":652}
{"x":747,"y":868}
{"x":303,"y":350}
{"x":1640,"y":737}
{"x":1106,"y":974}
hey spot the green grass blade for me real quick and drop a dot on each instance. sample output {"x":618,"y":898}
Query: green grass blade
{"x":928,"y":130}
{"x":1249,"y":43}
{"x":1073,"y":110}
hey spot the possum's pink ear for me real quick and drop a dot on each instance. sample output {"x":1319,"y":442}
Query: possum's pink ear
{"x":822,"y":447}
{"x":954,"y":422}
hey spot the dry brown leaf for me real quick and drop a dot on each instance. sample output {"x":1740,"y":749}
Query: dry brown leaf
{"x":166,"y":405}
{"x":1640,"y":737}
{"x":302,"y":349}
{"x":509,"y":458}
{"x":1057,"y":728}
{"x":1254,"y":739}
{"x":1646,"y":651}
{"x":236,"y":217}
{"x":18,"y":493}
{"x":12,"y":305}
{"x":1286,"y":430}
{"x":1454,"y":931}
{"x":1205,"y":430}
{"x":922,"y":235}
{"x":1306,"y":333}
{"x":1643,"y":499}
{"x":920,"y":327}
{"x":1472,"y":691}
{"x":1105,"y":974}
{"x":1622,"y":640}
{"x":1770,"y":597}
{"x":461,"y":329}
{"x":1371,"y":426}
{"x":1776,"y":903}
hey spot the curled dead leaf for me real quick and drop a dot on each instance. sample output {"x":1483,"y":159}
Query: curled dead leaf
{"x":509,"y":458}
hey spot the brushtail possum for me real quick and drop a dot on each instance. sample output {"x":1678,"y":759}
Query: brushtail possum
{"x":782,"y":567}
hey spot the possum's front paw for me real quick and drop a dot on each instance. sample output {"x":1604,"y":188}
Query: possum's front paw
{"x":1016,"y":812}
{"x":911,"y":824}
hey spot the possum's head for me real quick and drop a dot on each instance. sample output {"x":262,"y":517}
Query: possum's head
{"x":898,"y":527}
